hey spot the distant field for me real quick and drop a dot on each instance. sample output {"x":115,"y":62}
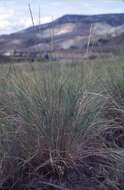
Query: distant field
{"x":62,"y":125}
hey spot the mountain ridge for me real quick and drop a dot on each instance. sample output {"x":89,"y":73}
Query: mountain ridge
{"x":66,"y":32}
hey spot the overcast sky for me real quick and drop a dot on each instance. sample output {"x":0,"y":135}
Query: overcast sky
{"x":14,"y":14}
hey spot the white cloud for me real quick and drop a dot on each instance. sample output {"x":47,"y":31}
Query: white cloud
{"x":24,"y":23}
{"x":5,"y":15}
{"x":4,"y":24}
{"x":27,"y":22}
{"x":46,"y":19}
{"x":11,"y":20}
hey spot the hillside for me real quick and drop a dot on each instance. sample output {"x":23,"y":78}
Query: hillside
{"x":70,"y":32}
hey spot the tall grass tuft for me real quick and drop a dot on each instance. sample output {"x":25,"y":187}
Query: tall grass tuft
{"x":50,"y":119}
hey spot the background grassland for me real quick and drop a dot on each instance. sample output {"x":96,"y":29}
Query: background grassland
{"x":57,"y":119}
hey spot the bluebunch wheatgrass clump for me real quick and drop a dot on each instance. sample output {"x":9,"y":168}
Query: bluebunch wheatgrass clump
{"x":53,"y":123}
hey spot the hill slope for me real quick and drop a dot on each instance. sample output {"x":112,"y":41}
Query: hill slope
{"x":67,"y":32}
